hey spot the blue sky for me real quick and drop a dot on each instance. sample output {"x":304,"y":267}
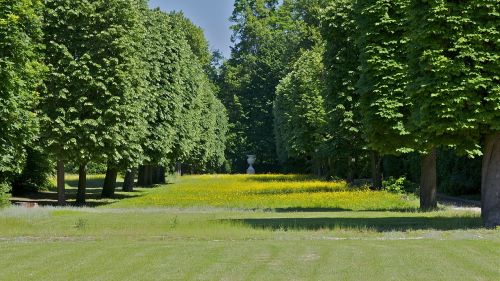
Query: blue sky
{"x":211,"y":15}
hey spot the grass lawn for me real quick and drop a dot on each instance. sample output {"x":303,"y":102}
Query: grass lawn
{"x":268,"y":228}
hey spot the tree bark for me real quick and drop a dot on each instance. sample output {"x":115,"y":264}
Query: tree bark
{"x":141,"y":178}
{"x":490,"y":186}
{"x":82,"y":184}
{"x":156,"y":174}
{"x":428,"y":182}
{"x":108,"y":189}
{"x":128,"y":182}
{"x":376,"y":171}
{"x":149,"y":175}
{"x":61,"y":191}
{"x":179,"y":169}
{"x":162,"y":178}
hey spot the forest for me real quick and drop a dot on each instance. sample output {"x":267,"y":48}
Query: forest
{"x":343,"y":89}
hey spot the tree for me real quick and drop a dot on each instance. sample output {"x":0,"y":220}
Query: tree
{"x":382,"y":43}
{"x":184,"y":113}
{"x":93,"y":105}
{"x":299,"y":112}
{"x":21,"y":71}
{"x":268,"y":37}
{"x":454,"y":64}
{"x":194,"y":36}
{"x":162,"y":56}
{"x":342,"y":100}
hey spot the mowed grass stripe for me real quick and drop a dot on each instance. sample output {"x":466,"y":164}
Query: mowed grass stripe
{"x":205,"y":260}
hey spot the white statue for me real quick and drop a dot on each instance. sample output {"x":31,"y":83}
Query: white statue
{"x":251,"y":161}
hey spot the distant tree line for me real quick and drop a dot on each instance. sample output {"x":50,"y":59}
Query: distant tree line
{"x":108,"y":82}
{"x":369,"y":88}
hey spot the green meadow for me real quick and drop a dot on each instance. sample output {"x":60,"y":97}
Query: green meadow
{"x":270,"y":229}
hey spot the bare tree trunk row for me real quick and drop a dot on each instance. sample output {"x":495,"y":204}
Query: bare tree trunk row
{"x":150,"y":175}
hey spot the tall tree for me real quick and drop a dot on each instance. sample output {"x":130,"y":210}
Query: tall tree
{"x":194,"y":36}
{"x":93,"y":104}
{"x":268,"y":36}
{"x":299,"y":112}
{"x":454,"y":66}
{"x":342,"y":100}
{"x":20,"y":75}
{"x":183,"y":110}
{"x":382,"y":43}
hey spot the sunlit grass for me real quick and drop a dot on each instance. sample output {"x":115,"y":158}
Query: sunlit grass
{"x":268,"y":192}
{"x":269,"y":227}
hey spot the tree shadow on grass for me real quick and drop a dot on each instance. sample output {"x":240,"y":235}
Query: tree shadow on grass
{"x":93,"y":198}
{"x":381,"y":224}
{"x":93,"y":195}
{"x":320,"y":210}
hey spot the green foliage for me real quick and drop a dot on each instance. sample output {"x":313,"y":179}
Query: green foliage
{"x":342,"y":101}
{"x":194,"y":36}
{"x":186,"y":122}
{"x":454,"y":65}
{"x":4,"y":194}
{"x":93,"y":104}
{"x":382,"y":43}
{"x":299,"y":113}
{"x":36,"y":172}
{"x":399,"y":185}
{"x":20,"y":79}
{"x":164,"y":54}
{"x":268,"y":37}
{"x":92,"y":168}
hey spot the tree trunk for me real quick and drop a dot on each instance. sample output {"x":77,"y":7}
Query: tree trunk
{"x":179,"y":169}
{"x":428,"y":182}
{"x":162,"y":178}
{"x":490,"y":186}
{"x":145,"y":175}
{"x":376,"y":171}
{"x":108,"y":189}
{"x":82,"y":184}
{"x":61,"y":191}
{"x":148,"y":175}
{"x":156,"y":174}
{"x":128,"y":182}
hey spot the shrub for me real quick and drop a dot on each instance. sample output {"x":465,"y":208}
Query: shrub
{"x":399,"y":185}
{"x":36,"y":173}
{"x":4,"y":194}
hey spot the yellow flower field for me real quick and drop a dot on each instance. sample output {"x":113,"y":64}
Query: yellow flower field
{"x":267,"y":192}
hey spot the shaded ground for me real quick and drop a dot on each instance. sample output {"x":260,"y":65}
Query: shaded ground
{"x":380,"y":224}
{"x":93,"y":193}
{"x":458,"y":201}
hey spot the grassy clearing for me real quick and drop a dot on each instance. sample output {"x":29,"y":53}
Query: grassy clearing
{"x":278,"y":192}
{"x":204,"y":240}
